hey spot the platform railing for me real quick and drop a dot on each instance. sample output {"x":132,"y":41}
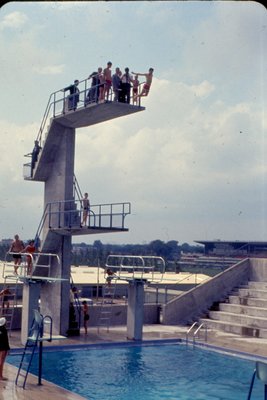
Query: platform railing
{"x":68,"y":214}
{"x":58,"y":105}
{"x":57,"y":102}
{"x":29,"y":263}
{"x":128,"y":267}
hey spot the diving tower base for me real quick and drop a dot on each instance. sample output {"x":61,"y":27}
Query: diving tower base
{"x":30,"y":302}
{"x":135,"y":312}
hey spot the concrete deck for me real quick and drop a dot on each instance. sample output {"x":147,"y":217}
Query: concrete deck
{"x":8,"y":390}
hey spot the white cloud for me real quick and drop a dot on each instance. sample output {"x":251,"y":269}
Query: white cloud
{"x":178,"y":157}
{"x":203,"y":89}
{"x":14,"y":20}
{"x":49,"y":69}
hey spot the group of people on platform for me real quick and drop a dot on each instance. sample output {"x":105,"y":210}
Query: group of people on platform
{"x":124,"y":85}
{"x":17,"y":247}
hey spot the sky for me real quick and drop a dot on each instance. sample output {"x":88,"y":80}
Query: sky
{"x":193,"y":164}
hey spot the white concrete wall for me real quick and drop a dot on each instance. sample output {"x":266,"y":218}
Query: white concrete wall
{"x":258,"y":270}
{"x":188,"y":307}
{"x":119,"y":315}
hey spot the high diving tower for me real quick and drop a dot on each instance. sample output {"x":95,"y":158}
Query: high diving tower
{"x":62,"y":206}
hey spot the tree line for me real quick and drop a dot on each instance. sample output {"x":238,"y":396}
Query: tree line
{"x":96,"y":254}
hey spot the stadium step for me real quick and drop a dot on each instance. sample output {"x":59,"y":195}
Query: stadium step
{"x":243,"y":313}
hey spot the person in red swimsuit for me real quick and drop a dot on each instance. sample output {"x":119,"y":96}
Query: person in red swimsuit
{"x":30,"y":248}
{"x":107,"y":79}
{"x":146,"y":87}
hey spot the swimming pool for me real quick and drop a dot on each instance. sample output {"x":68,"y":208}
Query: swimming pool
{"x":170,"y":371}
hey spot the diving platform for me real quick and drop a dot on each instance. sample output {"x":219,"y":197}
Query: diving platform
{"x":65,"y":213}
{"x":58,"y":119}
{"x":96,"y":113}
{"x":86,"y":230}
{"x":82,"y":117}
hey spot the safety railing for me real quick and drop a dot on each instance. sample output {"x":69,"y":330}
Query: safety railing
{"x":28,"y":263}
{"x":60,"y":102}
{"x":77,"y":193}
{"x":69,"y":214}
{"x":135,"y":267}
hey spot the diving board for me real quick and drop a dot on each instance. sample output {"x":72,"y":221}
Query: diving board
{"x":129,"y":267}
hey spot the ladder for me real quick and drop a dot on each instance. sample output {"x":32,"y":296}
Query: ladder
{"x":74,"y":312}
{"x":35,"y":333}
{"x":108,"y":295}
{"x":196,"y":328}
{"x":8,"y":300}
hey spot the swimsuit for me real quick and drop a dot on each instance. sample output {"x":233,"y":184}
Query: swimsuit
{"x":146,"y":87}
{"x":108,"y":83}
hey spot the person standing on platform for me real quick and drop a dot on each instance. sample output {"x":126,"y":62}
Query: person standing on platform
{"x":30,"y":249}
{"x":101,"y":84}
{"x":4,"y":346}
{"x":116,"y":83}
{"x":92,"y":96}
{"x":126,"y":81}
{"x":17,"y":246}
{"x":86,"y":208}
{"x":74,"y":96}
{"x":107,"y":79}
{"x":135,"y":88}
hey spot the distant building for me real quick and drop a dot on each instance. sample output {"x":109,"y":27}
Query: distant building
{"x":234,"y":248}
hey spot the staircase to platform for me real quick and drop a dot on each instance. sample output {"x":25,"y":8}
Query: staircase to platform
{"x":244,"y":312}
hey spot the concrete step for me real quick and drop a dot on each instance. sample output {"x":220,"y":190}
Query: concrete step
{"x":245,"y":320}
{"x":262,"y":294}
{"x":257,"y":285}
{"x":235,"y":328}
{"x":244,"y":310}
{"x":248,"y":301}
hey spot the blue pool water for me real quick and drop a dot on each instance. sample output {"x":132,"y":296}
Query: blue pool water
{"x":172,"y":371}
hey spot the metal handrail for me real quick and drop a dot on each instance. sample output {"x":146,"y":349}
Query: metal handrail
{"x":189,"y":330}
{"x":34,"y":258}
{"x":137,"y":270}
{"x":199,"y":327}
{"x":41,"y":223}
{"x":62,"y":213}
{"x":57,"y":98}
{"x":76,"y":188}
{"x":177,"y":281}
{"x":198,"y":330}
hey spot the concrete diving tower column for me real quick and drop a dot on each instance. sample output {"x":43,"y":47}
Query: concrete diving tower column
{"x":55,"y":167}
{"x":135,"y":310}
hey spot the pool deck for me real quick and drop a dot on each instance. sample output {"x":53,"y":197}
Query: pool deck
{"x":9,"y":391}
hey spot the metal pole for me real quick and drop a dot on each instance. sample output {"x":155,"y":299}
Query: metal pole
{"x":40,"y":363}
{"x":97,"y":286}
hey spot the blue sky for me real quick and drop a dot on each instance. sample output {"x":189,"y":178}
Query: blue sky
{"x":193,"y":165}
